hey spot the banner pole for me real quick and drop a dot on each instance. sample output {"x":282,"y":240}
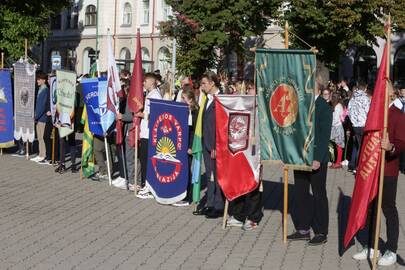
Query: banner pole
{"x":27,"y":155}
{"x":225,"y":214}
{"x":285,"y":176}
{"x":385,"y":134}
{"x":1,"y":67}
{"x":107,"y":154}
{"x":53,"y":145}
{"x":136,"y":161}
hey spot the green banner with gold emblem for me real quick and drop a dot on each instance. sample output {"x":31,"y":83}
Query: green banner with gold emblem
{"x":285,"y":81}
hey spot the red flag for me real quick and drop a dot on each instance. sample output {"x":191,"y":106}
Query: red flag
{"x":235,"y":137}
{"x":368,"y":169}
{"x":135,"y":95}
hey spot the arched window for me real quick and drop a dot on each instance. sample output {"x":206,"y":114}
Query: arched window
{"x":145,"y":5}
{"x":89,"y":57}
{"x":90,"y":16}
{"x":163,"y":60}
{"x":365,"y":65}
{"x":399,"y":65}
{"x":125,"y":58}
{"x":146,"y":62}
{"x":127,"y":15}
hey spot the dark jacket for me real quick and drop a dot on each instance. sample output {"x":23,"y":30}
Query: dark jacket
{"x":208,"y":127}
{"x":323,"y":126}
{"x":42,"y":105}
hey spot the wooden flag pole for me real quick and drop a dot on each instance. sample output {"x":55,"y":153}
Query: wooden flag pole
{"x":285,"y":174}
{"x":107,"y":154}
{"x":53,"y":145}
{"x":225,"y":214}
{"x":385,"y":134}
{"x":136,"y":160}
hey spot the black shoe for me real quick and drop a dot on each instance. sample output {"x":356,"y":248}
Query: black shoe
{"x":202,"y":211}
{"x":318,"y":239}
{"x":74,"y":170}
{"x":61,"y":169}
{"x":214,"y":214}
{"x":298,"y":236}
{"x":94,"y":177}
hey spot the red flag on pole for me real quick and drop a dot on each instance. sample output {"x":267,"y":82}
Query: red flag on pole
{"x":368,"y":169}
{"x":135,"y":95}
{"x":235,"y":137}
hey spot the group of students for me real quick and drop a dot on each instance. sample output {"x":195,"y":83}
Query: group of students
{"x":335,"y":107}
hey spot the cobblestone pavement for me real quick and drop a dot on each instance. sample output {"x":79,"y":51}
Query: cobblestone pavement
{"x":51,"y":221}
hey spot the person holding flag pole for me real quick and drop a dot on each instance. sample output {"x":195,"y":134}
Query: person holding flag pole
{"x":378,"y":171}
{"x":135,"y":103}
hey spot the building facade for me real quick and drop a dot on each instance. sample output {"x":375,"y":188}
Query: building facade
{"x":74,"y":31}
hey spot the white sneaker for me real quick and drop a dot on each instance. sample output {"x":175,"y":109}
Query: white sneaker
{"x":362,"y":255}
{"x":36,"y":159}
{"x":389,"y":258}
{"x":120,"y":183}
{"x":233,"y":222}
{"x":144,"y":190}
{"x":145,"y":196}
{"x":181,"y":203}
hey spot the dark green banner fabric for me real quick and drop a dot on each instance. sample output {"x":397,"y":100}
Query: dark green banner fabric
{"x":285,"y":81}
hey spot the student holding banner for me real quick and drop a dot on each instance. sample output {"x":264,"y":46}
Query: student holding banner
{"x":314,"y":213}
{"x":42,"y":115}
{"x":150,"y":85}
{"x":215,"y":201}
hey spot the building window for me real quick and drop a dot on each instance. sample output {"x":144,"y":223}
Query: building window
{"x":145,"y":4}
{"x":163,"y":60}
{"x":90,"y":16}
{"x":365,"y":65}
{"x":399,"y":65}
{"x":72,"y":19}
{"x":71,"y":59}
{"x":125,"y":59}
{"x":146,"y":62}
{"x":127,"y":16}
{"x":56,"y":22}
{"x":89,"y":57}
{"x":166,"y":11}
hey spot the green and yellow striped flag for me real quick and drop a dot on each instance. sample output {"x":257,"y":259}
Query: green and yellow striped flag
{"x":87,"y":148}
{"x":197,"y":153}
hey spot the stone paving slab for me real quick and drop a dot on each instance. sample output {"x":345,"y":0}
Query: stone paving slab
{"x":52,"y":221}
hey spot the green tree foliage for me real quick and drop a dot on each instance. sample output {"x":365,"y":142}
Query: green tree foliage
{"x":25,"y":19}
{"x":204,"y":27}
{"x":335,"y":25}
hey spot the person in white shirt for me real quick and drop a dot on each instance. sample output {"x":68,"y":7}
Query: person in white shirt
{"x":149,"y":85}
{"x":337,"y":133}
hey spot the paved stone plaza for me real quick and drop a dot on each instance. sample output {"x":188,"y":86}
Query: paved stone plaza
{"x":51,"y":221}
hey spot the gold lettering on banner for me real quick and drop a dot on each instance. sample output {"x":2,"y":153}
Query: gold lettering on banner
{"x":370,"y":155}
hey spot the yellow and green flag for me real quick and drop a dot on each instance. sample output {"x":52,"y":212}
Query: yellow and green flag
{"x":197,"y":153}
{"x":87,"y":148}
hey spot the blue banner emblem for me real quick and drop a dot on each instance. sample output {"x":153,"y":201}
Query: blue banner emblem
{"x":6,"y":110}
{"x":168,"y":170}
{"x":91,"y":90}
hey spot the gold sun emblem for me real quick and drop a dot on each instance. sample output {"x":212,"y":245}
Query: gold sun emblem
{"x":166,"y":146}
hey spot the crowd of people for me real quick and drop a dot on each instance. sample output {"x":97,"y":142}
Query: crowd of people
{"x":340,"y":113}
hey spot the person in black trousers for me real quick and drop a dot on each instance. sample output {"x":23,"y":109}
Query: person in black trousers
{"x":215,"y":200}
{"x":313,"y":212}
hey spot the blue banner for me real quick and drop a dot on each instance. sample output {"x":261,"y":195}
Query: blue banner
{"x":91,"y":90}
{"x":168,"y":169}
{"x":6,"y":110}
